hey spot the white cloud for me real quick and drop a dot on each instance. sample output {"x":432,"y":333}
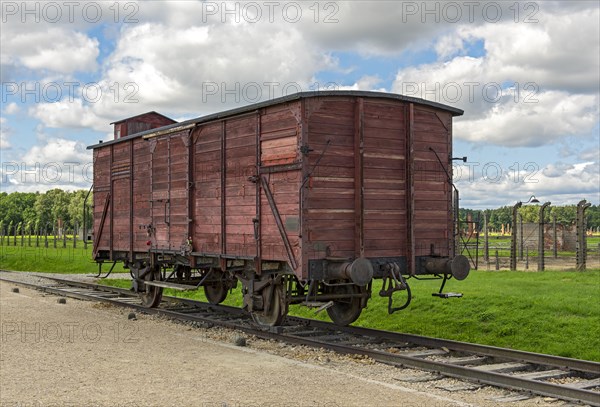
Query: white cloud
{"x":57,"y":163}
{"x":557,"y":170}
{"x":58,"y":150}
{"x":560,"y":184}
{"x":11,"y":108}
{"x":553,"y":116}
{"x":548,"y":53}
{"x":533,"y":86}
{"x":368,"y":83}
{"x":593,"y":153}
{"x":65,"y":114}
{"x":449,"y":45}
{"x":56,"y":49}
{"x":177,"y":67}
{"x":368,"y":27}
{"x":191,"y":70}
{"x":4,"y":134}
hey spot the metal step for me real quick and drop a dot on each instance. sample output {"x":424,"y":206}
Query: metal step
{"x":106,"y":295}
{"x":175,"y":286}
{"x":130,"y":300}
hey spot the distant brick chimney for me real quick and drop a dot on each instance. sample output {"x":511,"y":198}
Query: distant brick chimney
{"x":139,"y":123}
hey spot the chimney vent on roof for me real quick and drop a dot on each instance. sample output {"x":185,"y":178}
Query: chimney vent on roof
{"x":139,"y":123}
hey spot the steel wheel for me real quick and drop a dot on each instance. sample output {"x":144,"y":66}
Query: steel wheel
{"x":345,"y":311}
{"x":152,"y":295}
{"x":277,"y":311}
{"x":216,"y":292}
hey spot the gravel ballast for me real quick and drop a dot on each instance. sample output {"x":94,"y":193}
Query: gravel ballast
{"x":83,"y":353}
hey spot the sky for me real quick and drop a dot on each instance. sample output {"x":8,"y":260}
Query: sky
{"x":527,"y":75}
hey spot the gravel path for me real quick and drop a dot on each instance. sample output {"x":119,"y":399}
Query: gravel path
{"x":90,"y":354}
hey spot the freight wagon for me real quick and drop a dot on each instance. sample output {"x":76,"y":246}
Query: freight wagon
{"x":304,"y":199}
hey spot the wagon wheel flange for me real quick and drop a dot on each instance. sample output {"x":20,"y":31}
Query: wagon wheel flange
{"x":216,"y":291}
{"x":345,"y":311}
{"x":151,"y":295}
{"x":277,"y":310}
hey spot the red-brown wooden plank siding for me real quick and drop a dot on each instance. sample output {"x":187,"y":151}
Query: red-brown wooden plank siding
{"x":348,"y":176}
{"x":329,"y":205}
{"x":384,"y":178}
{"x":102,"y":163}
{"x":121,"y":169}
{"x":240,"y":192}
{"x":433,"y":194}
{"x":142,"y":192}
{"x":238,"y":200}
{"x":169,"y":196}
{"x":279,"y":145}
{"x":207,"y":179}
{"x":114,"y":168}
{"x":334,"y":227}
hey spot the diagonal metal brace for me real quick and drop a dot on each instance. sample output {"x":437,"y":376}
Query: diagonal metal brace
{"x":282,"y":232}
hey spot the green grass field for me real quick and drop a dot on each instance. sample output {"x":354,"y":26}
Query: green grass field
{"x":51,"y":260}
{"x":555,"y":312}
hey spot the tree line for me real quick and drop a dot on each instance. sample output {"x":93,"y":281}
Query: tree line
{"x":35,"y":211}
{"x":565,"y":215}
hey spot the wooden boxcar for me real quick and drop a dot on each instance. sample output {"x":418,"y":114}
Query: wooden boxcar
{"x":301,"y":199}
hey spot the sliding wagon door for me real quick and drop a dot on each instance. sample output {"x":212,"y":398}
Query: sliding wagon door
{"x":225,"y":195}
{"x":170,"y":204}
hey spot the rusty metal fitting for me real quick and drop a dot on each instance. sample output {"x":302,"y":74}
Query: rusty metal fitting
{"x":359,"y":271}
{"x":458,"y":267}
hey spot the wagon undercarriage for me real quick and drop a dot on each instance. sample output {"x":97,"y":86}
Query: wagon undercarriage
{"x":342,"y":289}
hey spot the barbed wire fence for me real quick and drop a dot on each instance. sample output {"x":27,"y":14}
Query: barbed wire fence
{"x":543,"y":245}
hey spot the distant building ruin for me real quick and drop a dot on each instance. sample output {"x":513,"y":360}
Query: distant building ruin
{"x":566,"y":236}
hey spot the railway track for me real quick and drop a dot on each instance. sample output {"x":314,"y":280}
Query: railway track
{"x":527,"y":372}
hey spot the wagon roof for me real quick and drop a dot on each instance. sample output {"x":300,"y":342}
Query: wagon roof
{"x":295,"y":96}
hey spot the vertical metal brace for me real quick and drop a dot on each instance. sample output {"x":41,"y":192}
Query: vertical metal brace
{"x":257,"y":220}
{"x":486,"y":244}
{"x":541,"y":265}
{"x":191,"y":188}
{"x":112,"y":212}
{"x":359,"y":247}
{"x":169,"y":186}
{"x":581,"y":235}
{"x":223,"y":195}
{"x":521,"y":237}
{"x":131,"y":195}
{"x":554,"y":237}
{"x":410,"y":190}
{"x":513,"y":236}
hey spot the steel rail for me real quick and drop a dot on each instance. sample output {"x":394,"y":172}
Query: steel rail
{"x":486,"y":350}
{"x":235,"y":318}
